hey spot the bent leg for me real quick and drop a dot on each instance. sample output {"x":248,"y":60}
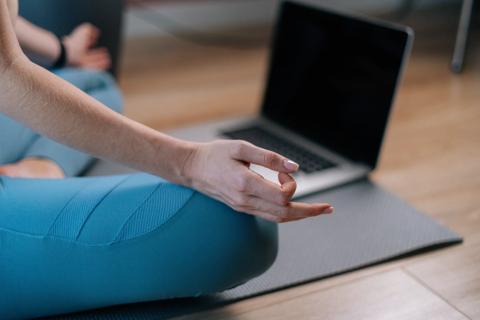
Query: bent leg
{"x":99,"y":85}
{"x":15,"y":139}
{"x":85,"y":243}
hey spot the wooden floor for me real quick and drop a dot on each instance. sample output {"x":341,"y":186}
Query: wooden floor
{"x":431,"y":158}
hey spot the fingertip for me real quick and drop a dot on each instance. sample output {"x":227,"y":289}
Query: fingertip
{"x":321,"y":208}
{"x":329,"y":210}
{"x":290,"y":165}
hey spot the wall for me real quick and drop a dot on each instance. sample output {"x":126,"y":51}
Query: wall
{"x":214,"y":15}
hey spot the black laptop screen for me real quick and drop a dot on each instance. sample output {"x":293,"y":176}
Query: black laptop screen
{"x":332,"y":79}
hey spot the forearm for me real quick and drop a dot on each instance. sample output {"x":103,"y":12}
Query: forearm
{"x":9,"y":47}
{"x":37,"y":42}
{"x":58,"y":110}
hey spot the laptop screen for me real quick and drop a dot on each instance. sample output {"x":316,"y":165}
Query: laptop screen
{"x":332,"y":79}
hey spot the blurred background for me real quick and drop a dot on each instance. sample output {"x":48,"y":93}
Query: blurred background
{"x":187,"y":61}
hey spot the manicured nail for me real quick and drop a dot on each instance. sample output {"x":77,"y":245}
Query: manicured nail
{"x":329,"y":210}
{"x":290,"y":165}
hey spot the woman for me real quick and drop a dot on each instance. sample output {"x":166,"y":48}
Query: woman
{"x":79,"y":243}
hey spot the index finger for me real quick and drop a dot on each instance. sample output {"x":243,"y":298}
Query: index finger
{"x":248,"y":152}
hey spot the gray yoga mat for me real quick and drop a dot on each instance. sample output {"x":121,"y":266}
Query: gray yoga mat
{"x":370,"y":225}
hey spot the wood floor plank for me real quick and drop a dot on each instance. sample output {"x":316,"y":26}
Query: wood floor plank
{"x":455,"y":277}
{"x":168,"y":83}
{"x":389,"y":295}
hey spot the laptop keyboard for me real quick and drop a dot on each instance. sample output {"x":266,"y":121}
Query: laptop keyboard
{"x":308,"y":161}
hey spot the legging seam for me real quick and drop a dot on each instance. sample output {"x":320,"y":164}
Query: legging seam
{"x":63,"y":208}
{"x":163,"y":225}
{"x":89,"y":214}
{"x":115,"y":239}
{"x":168,"y":222}
{"x":22,"y":233}
{"x":99,"y":202}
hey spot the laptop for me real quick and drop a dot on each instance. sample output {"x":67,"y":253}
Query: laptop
{"x":330,"y":88}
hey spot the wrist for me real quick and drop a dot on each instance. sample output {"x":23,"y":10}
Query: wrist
{"x":172,"y":157}
{"x":61,"y":60}
{"x":187,"y":152}
{"x":69,"y":49}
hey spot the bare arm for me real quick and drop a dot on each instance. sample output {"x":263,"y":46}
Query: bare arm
{"x":64,"y":113}
{"x":49,"y":105}
{"x":44,"y":46}
{"x":40,"y":42}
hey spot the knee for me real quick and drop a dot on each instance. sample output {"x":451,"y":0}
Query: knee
{"x":229,"y":247}
{"x":251,"y":249}
{"x":251,"y":257}
{"x":261,"y":250}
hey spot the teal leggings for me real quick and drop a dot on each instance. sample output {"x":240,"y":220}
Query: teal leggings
{"x":82,"y":243}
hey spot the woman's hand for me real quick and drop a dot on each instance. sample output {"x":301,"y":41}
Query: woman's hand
{"x":80,"y":48}
{"x":220,"y":169}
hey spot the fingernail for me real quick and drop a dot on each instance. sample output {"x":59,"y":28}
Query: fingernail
{"x":290,"y":165}
{"x":329,"y":210}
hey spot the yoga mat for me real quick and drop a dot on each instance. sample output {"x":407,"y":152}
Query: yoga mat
{"x":370,"y":225}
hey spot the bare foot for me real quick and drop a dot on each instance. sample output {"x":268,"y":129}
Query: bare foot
{"x":33,"y":168}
